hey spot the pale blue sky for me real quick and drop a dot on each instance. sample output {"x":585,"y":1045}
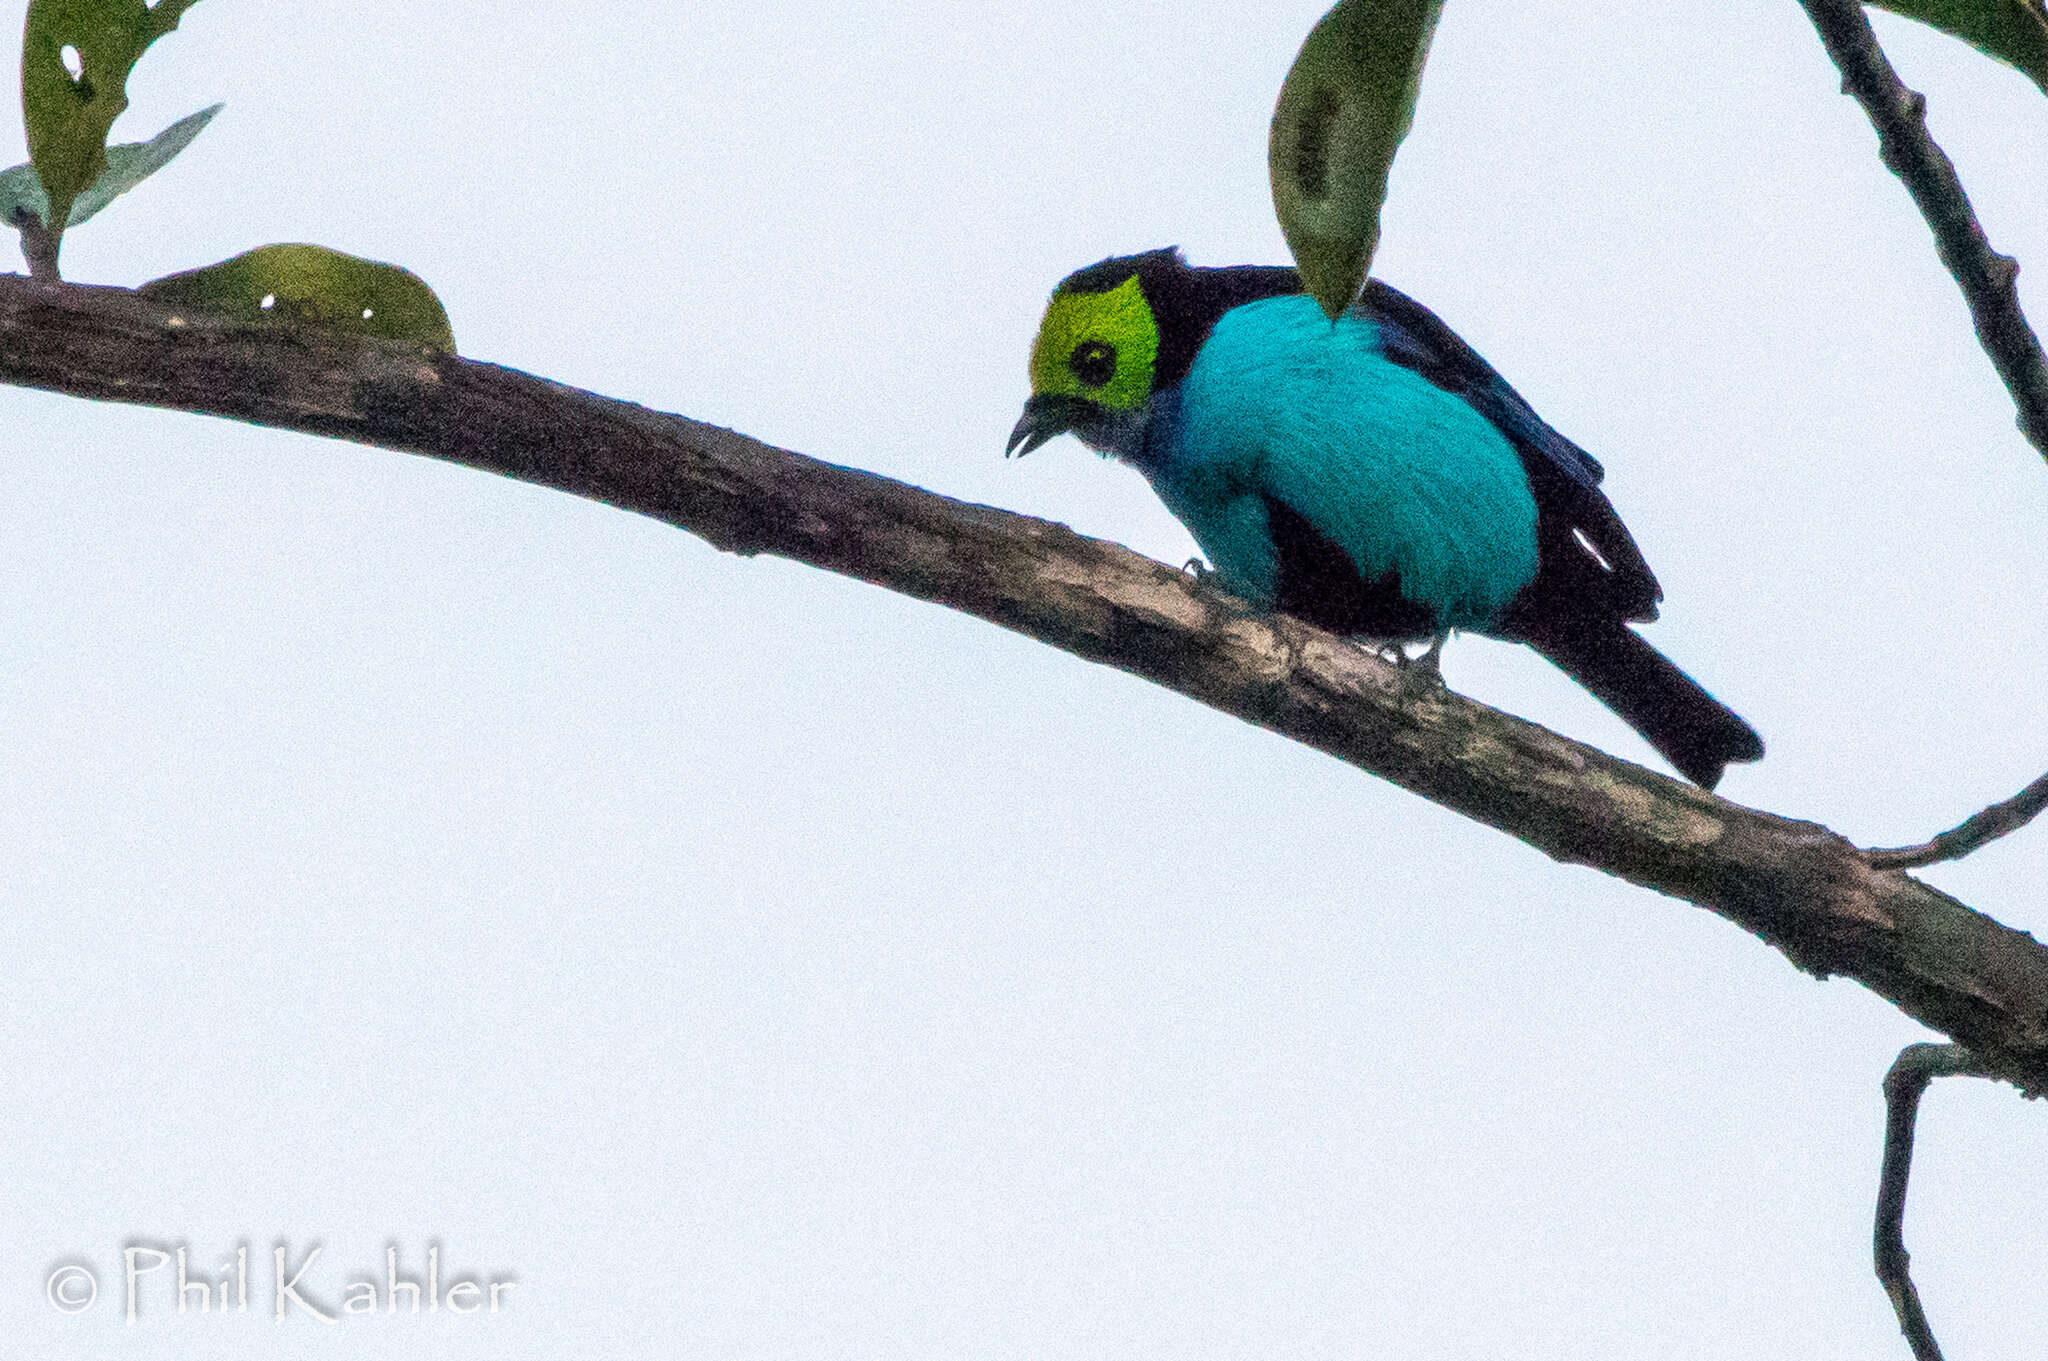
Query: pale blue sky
{"x":757,"y":964}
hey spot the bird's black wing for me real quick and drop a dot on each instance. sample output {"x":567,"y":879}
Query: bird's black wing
{"x":1588,"y":555}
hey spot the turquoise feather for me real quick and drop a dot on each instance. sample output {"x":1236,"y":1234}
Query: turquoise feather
{"x":1404,"y":477}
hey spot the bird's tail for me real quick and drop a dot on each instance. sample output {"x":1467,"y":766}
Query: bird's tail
{"x":1697,"y":733}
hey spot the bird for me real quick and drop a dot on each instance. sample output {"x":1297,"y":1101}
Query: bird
{"x":1371,"y":475}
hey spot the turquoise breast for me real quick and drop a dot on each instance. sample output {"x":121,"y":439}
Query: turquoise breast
{"x":1404,"y":477}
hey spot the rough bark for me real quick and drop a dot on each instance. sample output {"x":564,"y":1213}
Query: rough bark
{"x":1797,"y":885}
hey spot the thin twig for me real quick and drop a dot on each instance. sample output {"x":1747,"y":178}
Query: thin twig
{"x":38,"y":245}
{"x":1967,"y":835}
{"x":1916,"y":1066}
{"x":1986,"y":277}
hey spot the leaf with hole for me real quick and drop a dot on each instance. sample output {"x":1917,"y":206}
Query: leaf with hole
{"x":313,"y":286}
{"x":2013,"y":31}
{"x":1342,"y":113}
{"x":127,"y":166}
{"x":75,"y":60}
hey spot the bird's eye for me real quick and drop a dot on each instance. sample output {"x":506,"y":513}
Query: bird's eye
{"x":1093,"y":362}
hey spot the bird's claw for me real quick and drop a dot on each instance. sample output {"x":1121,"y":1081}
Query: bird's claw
{"x":1199,"y":570}
{"x":1423,"y":671}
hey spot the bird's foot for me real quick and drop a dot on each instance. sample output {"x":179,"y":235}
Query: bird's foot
{"x":1423,"y":671}
{"x":1199,"y":570}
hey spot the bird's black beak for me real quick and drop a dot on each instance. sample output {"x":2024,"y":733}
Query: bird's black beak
{"x":1045,"y":417}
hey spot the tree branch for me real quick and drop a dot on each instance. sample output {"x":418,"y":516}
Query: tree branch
{"x":1916,"y":1066}
{"x":1986,"y":277}
{"x":1967,"y":835}
{"x":1799,"y":886}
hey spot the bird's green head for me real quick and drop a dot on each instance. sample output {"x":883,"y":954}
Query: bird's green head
{"x":1094,"y":365}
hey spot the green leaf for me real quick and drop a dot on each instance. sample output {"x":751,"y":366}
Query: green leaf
{"x":1345,"y":107}
{"x":127,"y":166}
{"x":21,"y":191}
{"x":133,"y":162}
{"x":2013,"y":31}
{"x":75,"y":60}
{"x":313,"y":286}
